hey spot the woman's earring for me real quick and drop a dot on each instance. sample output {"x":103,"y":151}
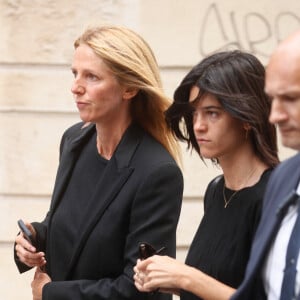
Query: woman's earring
{"x":246,"y":135}
{"x":247,"y":128}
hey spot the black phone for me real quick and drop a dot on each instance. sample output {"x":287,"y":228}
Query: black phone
{"x":26,"y":232}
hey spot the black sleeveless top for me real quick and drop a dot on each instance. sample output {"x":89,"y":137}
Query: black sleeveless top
{"x":221,"y":246}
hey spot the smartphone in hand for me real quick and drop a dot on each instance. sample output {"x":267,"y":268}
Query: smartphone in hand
{"x":26,"y":232}
{"x":29,"y":237}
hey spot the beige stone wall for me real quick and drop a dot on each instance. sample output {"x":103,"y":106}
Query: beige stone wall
{"x":36,"y":105}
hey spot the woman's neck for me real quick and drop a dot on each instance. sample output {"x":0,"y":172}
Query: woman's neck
{"x":108,"y":138}
{"x":242,"y":171}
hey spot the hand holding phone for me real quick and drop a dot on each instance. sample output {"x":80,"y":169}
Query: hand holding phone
{"x":26,"y":232}
{"x":38,"y":259}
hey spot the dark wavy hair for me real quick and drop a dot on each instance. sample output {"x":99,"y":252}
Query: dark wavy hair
{"x":236,"y":79}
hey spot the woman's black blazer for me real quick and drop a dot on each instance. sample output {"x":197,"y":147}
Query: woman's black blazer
{"x":138,"y":199}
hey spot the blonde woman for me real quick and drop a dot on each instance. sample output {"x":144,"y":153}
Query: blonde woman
{"x":118,"y":182}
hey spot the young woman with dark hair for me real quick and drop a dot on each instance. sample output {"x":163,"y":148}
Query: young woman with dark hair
{"x":225,"y":112}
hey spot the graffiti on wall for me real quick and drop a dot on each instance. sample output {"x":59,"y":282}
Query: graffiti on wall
{"x":250,"y":32}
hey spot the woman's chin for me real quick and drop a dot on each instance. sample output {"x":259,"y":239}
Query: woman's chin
{"x":85,"y":118}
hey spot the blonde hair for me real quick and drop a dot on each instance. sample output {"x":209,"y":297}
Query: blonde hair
{"x":133,"y":63}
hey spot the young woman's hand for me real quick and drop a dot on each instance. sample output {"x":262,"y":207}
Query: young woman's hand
{"x":158,"y":272}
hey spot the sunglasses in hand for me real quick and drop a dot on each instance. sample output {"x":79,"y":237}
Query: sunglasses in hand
{"x":146,"y":250}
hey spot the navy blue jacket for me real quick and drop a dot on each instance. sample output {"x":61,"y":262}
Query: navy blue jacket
{"x":282,"y":183}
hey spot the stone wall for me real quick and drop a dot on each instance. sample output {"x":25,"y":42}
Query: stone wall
{"x":36,"y":46}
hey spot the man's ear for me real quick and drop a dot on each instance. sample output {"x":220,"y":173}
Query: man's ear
{"x":129,"y":93}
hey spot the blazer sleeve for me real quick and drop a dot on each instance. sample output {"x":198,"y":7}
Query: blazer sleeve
{"x":153,"y":218}
{"x":41,"y":228}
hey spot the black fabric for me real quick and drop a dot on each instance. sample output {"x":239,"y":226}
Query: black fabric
{"x":68,"y":219}
{"x":222,"y":243}
{"x":136,"y":198}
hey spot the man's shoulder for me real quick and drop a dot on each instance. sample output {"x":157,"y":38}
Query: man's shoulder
{"x":288,"y":165}
{"x":284,"y":179}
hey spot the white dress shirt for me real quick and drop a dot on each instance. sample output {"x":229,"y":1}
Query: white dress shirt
{"x":275,"y":262}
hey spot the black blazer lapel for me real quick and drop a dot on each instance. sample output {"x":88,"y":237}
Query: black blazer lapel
{"x":71,"y":147}
{"x":115,"y":176}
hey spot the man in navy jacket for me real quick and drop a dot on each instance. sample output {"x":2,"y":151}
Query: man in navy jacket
{"x":264,"y":274}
